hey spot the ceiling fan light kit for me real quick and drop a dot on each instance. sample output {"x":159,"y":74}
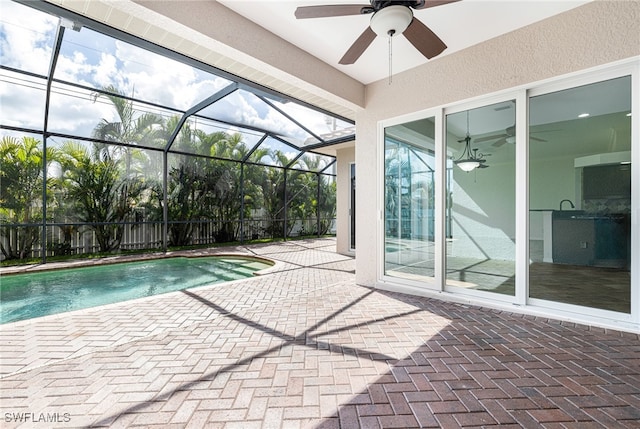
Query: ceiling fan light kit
{"x":467,"y":165}
{"x":391,"y":20}
{"x":470,"y":159}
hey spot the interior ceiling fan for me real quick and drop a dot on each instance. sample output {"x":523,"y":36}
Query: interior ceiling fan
{"x":509,"y":136}
{"x":388,"y":19}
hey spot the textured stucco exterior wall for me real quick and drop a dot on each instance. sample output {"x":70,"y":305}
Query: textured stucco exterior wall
{"x":595,"y":34}
{"x":343,"y":198}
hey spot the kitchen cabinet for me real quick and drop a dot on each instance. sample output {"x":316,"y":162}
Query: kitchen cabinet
{"x":612,"y":241}
{"x":573,"y":241}
{"x":595,"y":240}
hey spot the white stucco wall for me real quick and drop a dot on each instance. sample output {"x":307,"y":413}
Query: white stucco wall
{"x":595,"y":34}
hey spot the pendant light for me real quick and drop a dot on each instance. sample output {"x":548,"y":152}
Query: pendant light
{"x":470,"y":158}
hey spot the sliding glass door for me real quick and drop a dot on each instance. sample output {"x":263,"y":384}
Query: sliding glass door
{"x":580,"y":196}
{"x":409,"y":200}
{"x":526,"y":199}
{"x":480,"y":199}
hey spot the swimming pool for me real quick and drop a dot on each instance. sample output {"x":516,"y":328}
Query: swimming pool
{"x":29,"y":295}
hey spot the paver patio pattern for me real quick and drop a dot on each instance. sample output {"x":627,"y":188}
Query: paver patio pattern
{"x":304,"y":346}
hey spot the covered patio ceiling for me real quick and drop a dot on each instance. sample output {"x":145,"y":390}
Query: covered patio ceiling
{"x":263,"y":42}
{"x":459,"y":24}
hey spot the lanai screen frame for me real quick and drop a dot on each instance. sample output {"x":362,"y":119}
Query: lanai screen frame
{"x":270,"y":97}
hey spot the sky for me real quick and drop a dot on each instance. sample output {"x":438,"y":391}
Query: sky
{"x":94,"y":60}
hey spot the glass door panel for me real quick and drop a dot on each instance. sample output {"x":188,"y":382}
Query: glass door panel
{"x":480,"y":199}
{"x":409,"y":200}
{"x":580,"y":196}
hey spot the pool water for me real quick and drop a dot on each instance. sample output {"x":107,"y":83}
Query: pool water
{"x":29,"y":295}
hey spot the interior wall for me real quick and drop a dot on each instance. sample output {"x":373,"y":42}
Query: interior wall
{"x":484,"y":213}
{"x":595,"y":34}
{"x":344,"y":158}
{"x":555,"y":181}
{"x":552,"y":186}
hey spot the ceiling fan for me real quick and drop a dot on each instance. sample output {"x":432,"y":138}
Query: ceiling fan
{"x":509,"y":136}
{"x":388,"y":19}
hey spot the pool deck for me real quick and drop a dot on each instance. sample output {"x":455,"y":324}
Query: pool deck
{"x":304,"y":346}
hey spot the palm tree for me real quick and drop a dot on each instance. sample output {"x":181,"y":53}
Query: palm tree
{"x":184,"y":141}
{"x":326,"y":204}
{"x":273,"y":189}
{"x":131,"y":129}
{"x":323,"y":203}
{"x":254,"y":177}
{"x":201,"y":188}
{"x":21,"y":182}
{"x":103,"y":197}
{"x":223,"y":182}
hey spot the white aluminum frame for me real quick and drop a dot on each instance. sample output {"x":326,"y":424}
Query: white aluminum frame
{"x":521,"y":301}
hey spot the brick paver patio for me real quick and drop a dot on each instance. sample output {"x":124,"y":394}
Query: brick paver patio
{"x":304,"y":346}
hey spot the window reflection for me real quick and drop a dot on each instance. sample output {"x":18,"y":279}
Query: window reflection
{"x":410,"y":200}
{"x":580,"y":196}
{"x":481,"y":202}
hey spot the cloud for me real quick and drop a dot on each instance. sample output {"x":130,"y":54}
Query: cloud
{"x":26,"y":40}
{"x":245,"y":108}
{"x":96,"y":60}
{"x":73,"y":111}
{"x":22,"y":100}
{"x":161,"y":80}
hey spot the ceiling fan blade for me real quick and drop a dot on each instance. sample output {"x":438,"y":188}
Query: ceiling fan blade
{"x":424,"y":39}
{"x":493,"y":137}
{"x":304,"y":12}
{"x":434,"y":3}
{"x":499,"y":142}
{"x":358,"y":47}
{"x":537,"y":139}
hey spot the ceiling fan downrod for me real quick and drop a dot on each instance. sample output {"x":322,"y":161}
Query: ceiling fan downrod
{"x":391,"y":33}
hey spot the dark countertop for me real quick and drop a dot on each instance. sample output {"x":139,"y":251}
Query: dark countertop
{"x":581,"y":214}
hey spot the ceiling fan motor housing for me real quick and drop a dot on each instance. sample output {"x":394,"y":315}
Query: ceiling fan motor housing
{"x":381,"y":4}
{"x":391,"y":20}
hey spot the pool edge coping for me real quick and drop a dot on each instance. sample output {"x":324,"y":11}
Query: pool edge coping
{"x":118,"y":259}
